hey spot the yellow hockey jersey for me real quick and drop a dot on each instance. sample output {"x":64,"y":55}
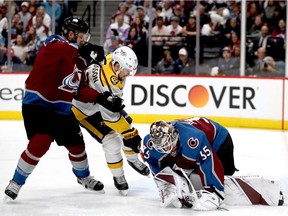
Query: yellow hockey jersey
{"x":101,"y":78}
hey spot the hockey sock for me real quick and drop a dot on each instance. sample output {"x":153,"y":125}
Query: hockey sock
{"x":37,"y":147}
{"x":79,"y":161}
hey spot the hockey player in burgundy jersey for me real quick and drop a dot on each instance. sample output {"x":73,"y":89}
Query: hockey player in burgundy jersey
{"x":57,"y":77}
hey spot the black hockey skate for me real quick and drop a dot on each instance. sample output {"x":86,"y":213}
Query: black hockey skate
{"x":90,"y":183}
{"x":121,"y":184}
{"x":281,"y":200}
{"x":139,"y":167}
{"x":12,"y":190}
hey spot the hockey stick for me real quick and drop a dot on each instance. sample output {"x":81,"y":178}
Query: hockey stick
{"x":191,"y":187}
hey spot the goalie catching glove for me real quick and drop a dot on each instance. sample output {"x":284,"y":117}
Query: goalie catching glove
{"x":114,"y":104}
{"x":132,"y":139}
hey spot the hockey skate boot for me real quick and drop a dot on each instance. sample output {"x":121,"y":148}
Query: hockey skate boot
{"x":12,"y":190}
{"x":139,"y":167}
{"x":121,"y":184}
{"x":92,"y":184}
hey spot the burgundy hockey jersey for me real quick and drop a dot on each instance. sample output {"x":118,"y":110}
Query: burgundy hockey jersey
{"x":58,"y":75}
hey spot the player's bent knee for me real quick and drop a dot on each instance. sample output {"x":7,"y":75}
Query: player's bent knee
{"x":39,"y":144}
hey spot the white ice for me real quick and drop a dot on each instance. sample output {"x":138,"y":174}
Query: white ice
{"x":52,"y":188}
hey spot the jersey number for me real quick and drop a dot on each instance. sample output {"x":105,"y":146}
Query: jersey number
{"x":205,"y":153}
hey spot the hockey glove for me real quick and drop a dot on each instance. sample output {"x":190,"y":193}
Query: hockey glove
{"x":132,"y":139}
{"x":91,"y":53}
{"x":114,"y":104}
{"x":207,"y":201}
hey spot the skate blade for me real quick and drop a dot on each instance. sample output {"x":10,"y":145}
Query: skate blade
{"x":99,"y":191}
{"x":123,"y":192}
{"x":7,"y":199}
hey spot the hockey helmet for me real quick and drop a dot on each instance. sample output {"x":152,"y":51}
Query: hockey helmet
{"x":164,"y":137}
{"x":126,"y":58}
{"x":76,"y":25}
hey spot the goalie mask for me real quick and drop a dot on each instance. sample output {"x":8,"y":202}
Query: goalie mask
{"x":127,"y":60}
{"x":164,"y":137}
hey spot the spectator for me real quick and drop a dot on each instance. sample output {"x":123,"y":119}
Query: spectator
{"x":261,"y":53}
{"x":122,"y":9}
{"x":42,"y":30}
{"x":25,"y":15}
{"x":20,"y":50}
{"x":158,"y":31}
{"x":158,"y":12}
{"x":228,"y":65}
{"x":165,"y":65}
{"x":33,"y":44}
{"x":204,"y":17}
{"x":236,"y":51}
{"x":107,"y":44}
{"x":151,"y":14}
{"x":280,"y":31}
{"x":58,"y":11}
{"x":141,"y":29}
{"x":167,"y":10}
{"x":140,"y":12}
{"x":270,"y":67}
{"x":274,"y":20}
{"x":17,"y":26}
{"x":45,"y":17}
{"x":3,"y":24}
{"x":180,"y":13}
{"x":120,"y":26}
{"x":19,"y":30}
{"x":33,"y":5}
{"x":235,"y":11}
{"x":132,"y":38}
{"x":190,"y":31}
{"x":269,"y":7}
{"x":115,"y":43}
{"x":174,"y":30}
{"x":184,"y":64}
{"x":232,"y":26}
{"x":131,"y":7}
{"x":252,"y":12}
{"x":255,"y":29}
{"x":263,"y":39}
{"x":234,"y":40}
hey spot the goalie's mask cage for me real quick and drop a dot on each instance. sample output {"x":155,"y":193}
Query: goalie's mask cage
{"x":76,"y":25}
{"x":164,"y":137}
{"x":126,"y":58}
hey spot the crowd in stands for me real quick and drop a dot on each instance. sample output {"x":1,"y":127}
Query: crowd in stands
{"x":173,"y":34}
{"x":30,"y":26}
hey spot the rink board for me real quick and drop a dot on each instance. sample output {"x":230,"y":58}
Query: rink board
{"x":232,"y":101}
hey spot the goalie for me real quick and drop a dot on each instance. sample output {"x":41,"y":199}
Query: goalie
{"x":176,"y":150}
{"x":113,"y":129}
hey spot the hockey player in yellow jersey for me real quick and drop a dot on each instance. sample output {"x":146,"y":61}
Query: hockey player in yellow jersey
{"x":113,"y":130}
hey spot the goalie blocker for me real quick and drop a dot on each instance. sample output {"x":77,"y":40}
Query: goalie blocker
{"x":242,"y":190}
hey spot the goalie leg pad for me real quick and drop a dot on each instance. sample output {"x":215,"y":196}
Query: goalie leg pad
{"x":252,"y":190}
{"x":173,"y":189}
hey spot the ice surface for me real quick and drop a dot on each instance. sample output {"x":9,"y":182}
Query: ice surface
{"x":52,"y":188}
